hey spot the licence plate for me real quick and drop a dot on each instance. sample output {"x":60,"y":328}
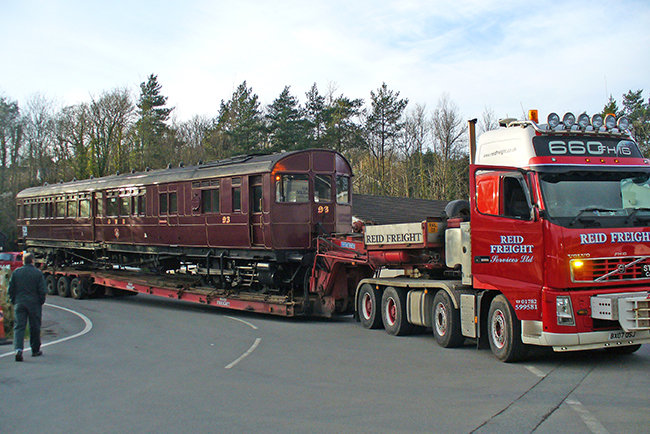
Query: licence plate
{"x":621,"y":335}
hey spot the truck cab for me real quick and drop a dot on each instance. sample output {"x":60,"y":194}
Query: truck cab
{"x":560,"y":236}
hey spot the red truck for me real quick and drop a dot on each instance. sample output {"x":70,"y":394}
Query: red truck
{"x":552,"y":249}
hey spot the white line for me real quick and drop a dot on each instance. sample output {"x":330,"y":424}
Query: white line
{"x":241,"y":320}
{"x":250,"y":350}
{"x":87,"y":328}
{"x":586,"y":416}
{"x":535,"y":371}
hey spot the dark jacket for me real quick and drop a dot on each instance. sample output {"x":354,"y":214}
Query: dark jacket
{"x":27,"y":285}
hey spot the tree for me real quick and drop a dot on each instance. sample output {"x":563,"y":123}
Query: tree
{"x":110,"y":118}
{"x":638,"y":112}
{"x":414,"y":143}
{"x":73,"y":141}
{"x":315,"y":116}
{"x":488,"y":121}
{"x":39,"y":138}
{"x":383,"y":127}
{"x":286,"y":126}
{"x":239,"y":126}
{"x":611,"y":107}
{"x":11,"y":132}
{"x":449,"y":129}
{"x":151,"y":127}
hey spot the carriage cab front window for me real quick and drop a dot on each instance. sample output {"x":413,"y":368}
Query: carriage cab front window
{"x":292,"y":188}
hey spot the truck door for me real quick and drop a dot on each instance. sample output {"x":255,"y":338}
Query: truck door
{"x":507,"y":249}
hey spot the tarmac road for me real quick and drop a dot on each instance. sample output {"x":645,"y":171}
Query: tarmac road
{"x":153,"y":365}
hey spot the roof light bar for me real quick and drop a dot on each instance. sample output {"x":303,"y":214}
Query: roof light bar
{"x":569,"y":120}
{"x":553,"y":120}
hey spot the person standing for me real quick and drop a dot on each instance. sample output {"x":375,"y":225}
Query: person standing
{"x":27,"y":294}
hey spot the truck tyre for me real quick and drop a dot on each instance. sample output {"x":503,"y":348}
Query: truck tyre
{"x":63,"y":286}
{"x":76,"y":289}
{"x":393,"y":312}
{"x":369,"y":306}
{"x":458,"y":209}
{"x":446,"y":321}
{"x":504,"y":331}
{"x":50,"y":284}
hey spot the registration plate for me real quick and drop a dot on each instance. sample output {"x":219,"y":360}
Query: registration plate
{"x":621,"y":335}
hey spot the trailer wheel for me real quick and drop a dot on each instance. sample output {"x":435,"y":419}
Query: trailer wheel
{"x":393,"y":312}
{"x":504,"y":331}
{"x":76,"y":289}
{"x":446,"y":321}
{"x":369,"y":308}
{"x":628,"y":349}
{"x":63,"y":286}
{"x":50,"y":284}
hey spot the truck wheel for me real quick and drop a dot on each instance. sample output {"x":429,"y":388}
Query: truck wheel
{"x":63,"y":286}
{"x":393,"y":312}
{"x":369,"y":302}
{"x":629,"y":349}
{"x":50,"y":284}
{"x":76,"y":289}
{"x":504,"y":331}
{"x":446,"y":321}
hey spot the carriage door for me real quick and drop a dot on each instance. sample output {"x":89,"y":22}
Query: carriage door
{"x":256,"y":210}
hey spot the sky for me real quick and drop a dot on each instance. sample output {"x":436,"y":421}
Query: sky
{"x":504,"y":56}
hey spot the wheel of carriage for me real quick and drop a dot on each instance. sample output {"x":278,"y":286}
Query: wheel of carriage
{"x":504,"y":331}
{"x":393,"y":312}
{"x":77,"y":289}
{"x":63,"y":286}
{"x":50,"y":284}
{"x":446,"y":321}
{"x":368,"y":306}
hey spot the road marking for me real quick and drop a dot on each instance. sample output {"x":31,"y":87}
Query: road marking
{"x":88,"y":326}
{"x":535,"y":371}
{"x":586,"y":416}
{"x":241,"y":320}
{"x":250,"y":350}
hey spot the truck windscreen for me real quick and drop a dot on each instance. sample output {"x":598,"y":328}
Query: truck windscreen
{"x":597,"y":199}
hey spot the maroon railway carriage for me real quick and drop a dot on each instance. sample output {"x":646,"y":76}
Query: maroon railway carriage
{"x":249,"y":222}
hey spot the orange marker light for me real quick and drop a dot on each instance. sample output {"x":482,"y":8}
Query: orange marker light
{"x":533,"y":115}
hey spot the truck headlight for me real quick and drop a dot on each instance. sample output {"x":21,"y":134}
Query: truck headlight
{"x":564,"y":310}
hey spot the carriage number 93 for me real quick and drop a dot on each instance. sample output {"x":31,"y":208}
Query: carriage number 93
{"x":577,"y":147}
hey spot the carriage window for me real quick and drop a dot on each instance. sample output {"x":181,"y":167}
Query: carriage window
{"x":210,"y":200}
{"x":41,"y":210}
{"x":60,"y":209}
{"x":173,"y":203}
{"x":140,"y":205}
{"x":84,"y":208}
{"x":125,"y":205}
{"x":163,"y":203}
{"x":111,"y":206}
{"x":256,"y":198}
{"x":28,"y":211}
{"x":99,"y":204}
{"x":342,"y":189}
{"x":322,"y":188}
{"x":71,"y":208}
{"x":236,"y":199}
{"x":292,"y":188}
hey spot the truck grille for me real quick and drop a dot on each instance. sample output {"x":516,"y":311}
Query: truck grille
{"x":611,"y":269}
